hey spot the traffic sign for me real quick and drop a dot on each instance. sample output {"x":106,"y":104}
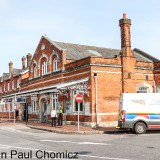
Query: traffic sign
{"x":79,"y":98}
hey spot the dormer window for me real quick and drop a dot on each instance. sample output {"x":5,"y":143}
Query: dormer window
{"x":4,"y":87}
{"x":17,"y":83}
{"x":13,"y":84}
{"x":55,"y":64}
{"x":43,"y":47}
{"x":44,"y":68}
{"x":8,"y":87}
{"x":35,"y":71}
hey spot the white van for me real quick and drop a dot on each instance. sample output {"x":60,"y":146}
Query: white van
{"x":139,"y":111}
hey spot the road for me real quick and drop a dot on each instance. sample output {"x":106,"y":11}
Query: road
{"x":21,"y":142}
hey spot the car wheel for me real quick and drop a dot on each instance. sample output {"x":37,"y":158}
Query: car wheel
{"x":140,"y":128}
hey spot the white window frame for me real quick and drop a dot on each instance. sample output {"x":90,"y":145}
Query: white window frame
{"x":17,"y":83}
{"x":13,"y":103}
{"x":55,"y":64}
{"x":55,"y":101}
{"x":35,"y":71}
{"x":44,"y":68}
{"x":8,"y":87}
{"x":13,"y":84}
{"x":43,"y":47}
{"x":34,"y":106}
{"x":5,"y":87}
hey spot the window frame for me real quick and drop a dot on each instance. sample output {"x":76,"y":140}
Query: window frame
{"x":55,"y":64}
{"x":44,"y":68}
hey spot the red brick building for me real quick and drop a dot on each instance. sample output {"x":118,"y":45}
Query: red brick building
{"x":58,"y":71}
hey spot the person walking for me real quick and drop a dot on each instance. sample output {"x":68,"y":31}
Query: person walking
{"x":60,"y":116}
{"x":53,"y":116}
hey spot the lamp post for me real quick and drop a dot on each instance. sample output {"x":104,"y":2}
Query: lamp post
{"x":26,"y":106}
{"x":96,"y":98}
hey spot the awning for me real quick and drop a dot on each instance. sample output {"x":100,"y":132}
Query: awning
{"x":48,"y":89}
{"x":70,"y":83}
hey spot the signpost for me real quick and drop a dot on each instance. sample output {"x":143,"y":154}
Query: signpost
{"x":78,"y":100}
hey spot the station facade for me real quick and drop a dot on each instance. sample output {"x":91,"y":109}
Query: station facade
{"x":58,"y":71}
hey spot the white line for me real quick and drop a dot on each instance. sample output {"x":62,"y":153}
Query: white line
{"x":93,"y":143}
{"x":103,"y":157}
{"x":85,"y":143}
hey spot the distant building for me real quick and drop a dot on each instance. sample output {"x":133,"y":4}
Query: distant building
{"x":58,"y":71}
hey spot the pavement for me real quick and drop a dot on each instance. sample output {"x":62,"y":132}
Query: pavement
{"x":65,"y":129}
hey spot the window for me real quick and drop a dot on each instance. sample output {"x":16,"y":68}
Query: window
{"x":13,"y":104}
{"x":143,"y":90}
{"x":4,"y":87}
{"x":8,"y":87}
{"x":44,"y":68}
{"x":146,"y":77}
{"x":55,"y":64}
{"x":17,"y":83}
{"x":43,"y":47}
{"x":35,"y":72}
{"x":54,"y":101}
{"x":34,"y":106}
{"x":75,"y":104}
{"x":13,"y":84}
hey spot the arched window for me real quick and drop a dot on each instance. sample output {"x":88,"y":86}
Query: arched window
{"x":13,"y":84}
{"x":44,"y":68}
{"x":55,"y":64}
{"x":35,"y":71}
{"x":17,"y":83}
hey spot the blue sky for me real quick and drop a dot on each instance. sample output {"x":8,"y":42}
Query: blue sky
{"x":89,"y":22}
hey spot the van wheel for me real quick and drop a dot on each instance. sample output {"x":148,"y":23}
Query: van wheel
{"x":140,"y":128}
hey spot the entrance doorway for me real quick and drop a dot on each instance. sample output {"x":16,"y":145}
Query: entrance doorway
{"x":43,"y":110}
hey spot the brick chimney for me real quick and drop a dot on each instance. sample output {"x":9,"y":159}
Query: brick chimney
{"x":10,"y":67}
{"x":29,"y":58}
{"x":125,"y":24}
{"x":23,"y":62}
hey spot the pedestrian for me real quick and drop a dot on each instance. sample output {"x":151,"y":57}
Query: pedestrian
{"x":60,"y":116}
{"x":53,"y":116}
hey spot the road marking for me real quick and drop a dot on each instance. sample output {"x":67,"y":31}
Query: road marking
{"x":103,"y":157}
{"x":85,"y":143}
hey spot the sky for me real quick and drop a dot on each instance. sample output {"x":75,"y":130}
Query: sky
{"x":88,"y":22}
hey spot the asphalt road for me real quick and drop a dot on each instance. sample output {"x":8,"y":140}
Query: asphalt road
{"x":21,"y":142}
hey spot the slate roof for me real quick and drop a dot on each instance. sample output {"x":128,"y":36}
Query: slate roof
{"x":143,"y":56}
{"x":6,"y":76}
{"x":77,"y":51}
{"x":16,"y":71}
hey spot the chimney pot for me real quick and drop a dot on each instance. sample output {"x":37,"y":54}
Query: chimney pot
{"x":10,"y":66}
{"x":124,"y":15}
{"x":29,"y":58}
{"x":23,"y":62}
